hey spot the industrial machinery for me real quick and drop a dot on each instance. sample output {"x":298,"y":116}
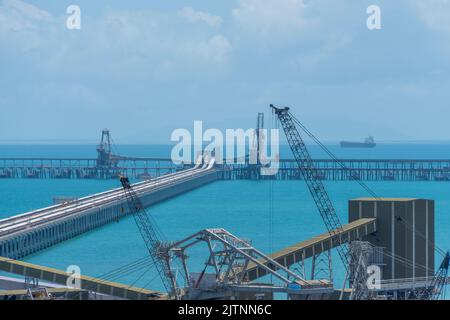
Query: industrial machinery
{"x":151,"y":235}
{"x":436,"y":289}
{"x":106,"y":160}
{"x":259,"y":136}
{"x":104,"y":151}
{"x":225,"y":273}
{"x":229,"y":256}
{"x":318,"y":191}
{"x":358,"y":258}
{"x":256,"y":153}
{"x":315,"y":185}
{"x":361,"y":253}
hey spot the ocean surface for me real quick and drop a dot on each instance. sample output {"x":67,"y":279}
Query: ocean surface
{"x":273,"y":214}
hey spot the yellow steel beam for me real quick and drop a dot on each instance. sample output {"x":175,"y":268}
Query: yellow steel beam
{"x":316,"y":245}
{"x":87,"y":283}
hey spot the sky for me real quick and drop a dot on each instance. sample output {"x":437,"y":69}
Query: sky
{"x":145,"y":68}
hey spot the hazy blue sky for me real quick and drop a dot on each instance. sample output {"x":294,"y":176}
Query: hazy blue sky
{"x":144,"y":68}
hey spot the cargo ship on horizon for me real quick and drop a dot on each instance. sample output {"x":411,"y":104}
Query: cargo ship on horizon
{"x":369,"y":142}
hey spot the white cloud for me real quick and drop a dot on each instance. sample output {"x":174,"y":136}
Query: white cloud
{"x":270,"y":16}
{"x":435,"y":14}
{"x":194,"y":16}
{"x":122,"y":43}
{"x":215,"y":49}
{"x":305,"y":26}
{"x":160,"y":41}
{"x":27,"y":9}
{"x":21,"y":24}
{"x":329,"y":47}
{"x":294,"y":35}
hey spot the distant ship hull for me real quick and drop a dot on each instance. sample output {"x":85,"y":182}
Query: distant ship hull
{"x":348,"y":144}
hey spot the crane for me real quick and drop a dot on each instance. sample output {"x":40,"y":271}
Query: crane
{"x":315,"y":184}
{"x":322,"y":200}
{"x":317,"y":189}
{"x":436,"y":287}
{"x":151,"y":236}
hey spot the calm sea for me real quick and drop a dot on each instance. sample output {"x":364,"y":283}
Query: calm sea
{"x":272,"y":214}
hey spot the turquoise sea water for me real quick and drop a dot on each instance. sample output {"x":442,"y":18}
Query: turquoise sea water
{"x":242,"y":207}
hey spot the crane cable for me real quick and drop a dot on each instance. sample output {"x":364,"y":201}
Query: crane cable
{"x":126,"y":269}
{"x":271,"y":202}
{"x":150,"y":281}
{"x":358,"y":180}
{"x":122,"y":271}
{"x":140,"y":277}
{"x":272,"y":207}
{"x":409,"y":263}
{"x":128,"y":196}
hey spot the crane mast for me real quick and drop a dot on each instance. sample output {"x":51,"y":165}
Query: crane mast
{"x":314,"y":183}
{"x":437,"y":284}
{"x":150,"y":236}
{"x":259,"y":135}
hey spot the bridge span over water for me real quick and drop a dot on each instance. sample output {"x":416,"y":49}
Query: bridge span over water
{"x":30,"y":232}
{"x":147,"y":168}
{"x":108,"y":165}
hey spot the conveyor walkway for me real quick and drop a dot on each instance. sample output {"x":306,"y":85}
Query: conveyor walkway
{"x":316,"y":245}
{"x":87,"y":283}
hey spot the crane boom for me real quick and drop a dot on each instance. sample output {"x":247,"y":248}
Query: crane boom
{"x":150,"y":236}
{"x":314,"y":183}
{"x":317,"y":189}
{"x":436,"y":287}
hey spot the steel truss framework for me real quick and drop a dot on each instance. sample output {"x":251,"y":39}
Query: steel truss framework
{"x":229,"y":257}
{"x":360,"y":252}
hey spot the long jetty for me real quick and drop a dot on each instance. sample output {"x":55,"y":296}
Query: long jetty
{"x":108,"y":165}
{"x":30,"y":232}
{"x":351,"y":169}
{"x":145,"y":168}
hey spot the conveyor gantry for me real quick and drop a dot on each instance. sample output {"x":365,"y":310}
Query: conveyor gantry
{"x":30,"y":232}
{"x":314,"y":246}
{"x":87,"y":283}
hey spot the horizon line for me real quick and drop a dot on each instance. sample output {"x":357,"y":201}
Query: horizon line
{"x":95,"y":142}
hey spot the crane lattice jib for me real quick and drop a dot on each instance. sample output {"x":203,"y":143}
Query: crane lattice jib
{"x":149,"y":235}
{"x":314,"y":183}
{"x":436,"y":287}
